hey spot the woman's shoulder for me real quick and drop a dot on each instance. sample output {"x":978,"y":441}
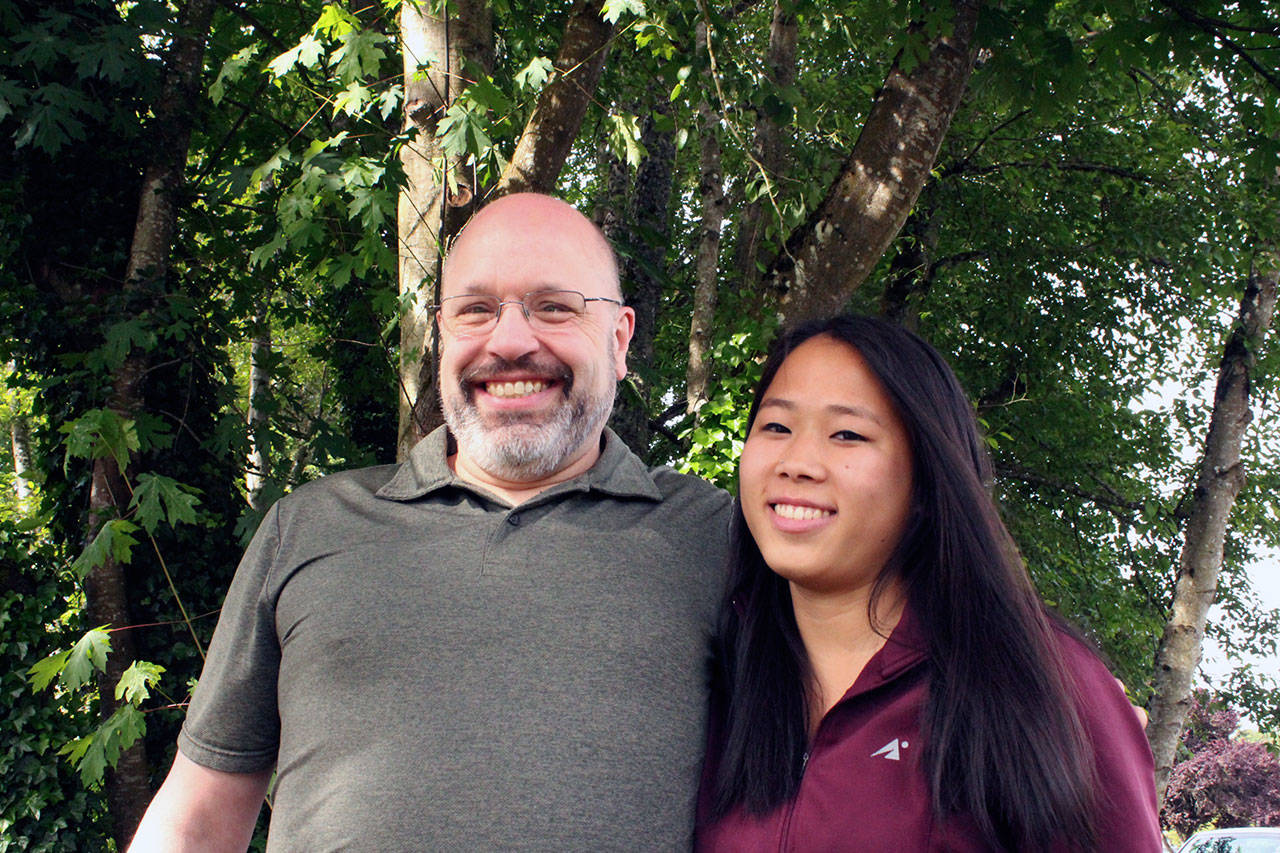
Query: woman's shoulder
{"x":1124,"y":768}
{"x":1082,"y":660}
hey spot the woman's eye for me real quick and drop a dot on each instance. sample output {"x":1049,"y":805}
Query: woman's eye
{"x":848,"y":435}
{"x":773,"y":426}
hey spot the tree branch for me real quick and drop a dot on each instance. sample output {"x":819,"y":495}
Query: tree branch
{"x":831,"y":255}
{"x":1207,"y":25}
{"x":1065,"y":166}
{"x":557,"y":117}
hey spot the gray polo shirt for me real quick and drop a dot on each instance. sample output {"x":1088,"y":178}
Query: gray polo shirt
{"x":429,"y":668}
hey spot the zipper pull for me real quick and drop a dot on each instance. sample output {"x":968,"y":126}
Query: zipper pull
{"x":804,"y":761}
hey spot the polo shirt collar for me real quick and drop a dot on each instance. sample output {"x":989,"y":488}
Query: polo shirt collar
{"x":617,"y":472}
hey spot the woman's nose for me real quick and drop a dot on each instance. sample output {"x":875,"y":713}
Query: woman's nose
{"x":801,"y":461}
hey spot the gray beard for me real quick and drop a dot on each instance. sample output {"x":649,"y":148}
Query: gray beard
{"x":519,"y":449}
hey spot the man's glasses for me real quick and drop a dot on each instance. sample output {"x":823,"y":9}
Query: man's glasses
{"x":476,"y":314}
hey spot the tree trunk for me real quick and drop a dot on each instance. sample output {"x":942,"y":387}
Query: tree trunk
{"x":766,"y":148}
{"x":434,"y":51}
{"x":259,"y":388}
{"x":826,"y":259}
{"x":20,"y":436}
{"x":1220,"y":478}
{"x":609,"y":210}
{"x":911,"y":272}
{"x":714,"y":202}
{"x":646,"y":240}
{"x":548,"y":135}
{"x":106,"y":595}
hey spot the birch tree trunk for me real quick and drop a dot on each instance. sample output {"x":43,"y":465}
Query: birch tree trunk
{"x":435,"y":49}
{"x":20,"y":440}
{"x":714,"y":203}
{"x":1220,"y":478}
{"x":259,"y":389}
{"x":766,"y":148}
{"x":557,"y":116}
{"x":106,"y":595}
{"x":828,"y":257}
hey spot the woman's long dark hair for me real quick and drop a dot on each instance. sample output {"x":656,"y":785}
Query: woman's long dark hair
{"x":1004,"y":744}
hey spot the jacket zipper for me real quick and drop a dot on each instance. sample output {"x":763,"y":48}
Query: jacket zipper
{"x":784,"y":841}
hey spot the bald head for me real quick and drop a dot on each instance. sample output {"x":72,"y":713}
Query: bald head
{"x":531,"y":227}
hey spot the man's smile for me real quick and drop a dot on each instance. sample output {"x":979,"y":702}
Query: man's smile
{"x":521,"y":388}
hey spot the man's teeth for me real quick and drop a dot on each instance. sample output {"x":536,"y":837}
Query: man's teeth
{"x":515,"y":389}
{"x":800,"y":513}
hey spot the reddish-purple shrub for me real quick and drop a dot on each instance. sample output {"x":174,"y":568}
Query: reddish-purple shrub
{"x":1222,"y":781}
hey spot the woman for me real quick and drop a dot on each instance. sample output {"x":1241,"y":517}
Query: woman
{"x":890,"y":679}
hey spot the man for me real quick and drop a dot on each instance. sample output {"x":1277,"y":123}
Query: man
{"x":501,"y":643}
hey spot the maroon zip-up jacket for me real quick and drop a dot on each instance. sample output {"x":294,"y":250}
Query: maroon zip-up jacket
{"x":863,"y":789}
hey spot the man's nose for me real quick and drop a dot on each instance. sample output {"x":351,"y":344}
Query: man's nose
{"x":512,"y":336}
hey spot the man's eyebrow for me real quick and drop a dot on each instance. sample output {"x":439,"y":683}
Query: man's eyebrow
{"x":835,"y":409}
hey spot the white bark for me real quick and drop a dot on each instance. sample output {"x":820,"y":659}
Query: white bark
{"x":434,"y":51}
{"x":259,"y":388}
{"x":1220,"y":478}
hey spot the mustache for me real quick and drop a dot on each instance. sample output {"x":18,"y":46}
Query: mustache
{"x":548,"y":368}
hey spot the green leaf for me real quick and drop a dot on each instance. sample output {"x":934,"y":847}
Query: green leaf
{"x":335,"y":22}
{"x":232,"y":70}
{"x":462,"y":132}
{"x":136,"y":681}
{"x":624,"y":136}
{"x":113,"y":540}
{"x":101,"y":433}
{"x":89,"y":653}
{"x":95,"y":752}
{"x":284,"y":63}
{"x":122,"y":338}
{"x":352,"y":100}
{"x":359,"y":56}
{"x":309,"y":52}
{"x":486,"y":94}
{"x":43,"y":672}
{"x":535,"y":74}
{"x":615,"y":9}
{"x":157,"y":497}
{"x":389,"y":100}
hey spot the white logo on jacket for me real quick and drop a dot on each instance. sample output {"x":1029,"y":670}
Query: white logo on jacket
{"x":891,"y":750}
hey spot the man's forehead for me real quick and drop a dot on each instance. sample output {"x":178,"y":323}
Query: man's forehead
{"x":524,"y":260}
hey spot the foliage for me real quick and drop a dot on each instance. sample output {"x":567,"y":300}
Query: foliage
{"x":43,"y":807}
{"x":1089,"y":222}
{"x":1223,"y":779}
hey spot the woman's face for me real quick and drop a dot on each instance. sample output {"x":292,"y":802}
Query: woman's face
{"x":826,"y":470}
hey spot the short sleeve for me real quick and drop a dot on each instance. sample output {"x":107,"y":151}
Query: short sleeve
{"x":233,"y":723}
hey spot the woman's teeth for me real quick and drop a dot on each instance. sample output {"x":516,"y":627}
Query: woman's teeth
{"x":800,"y":513}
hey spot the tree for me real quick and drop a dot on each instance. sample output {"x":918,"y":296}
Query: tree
{"x":1221,"y":476}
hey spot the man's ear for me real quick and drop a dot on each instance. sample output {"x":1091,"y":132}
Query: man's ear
{"x":623,"y":328}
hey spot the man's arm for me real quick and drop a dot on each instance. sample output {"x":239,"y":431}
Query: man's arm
{"x":200,"y":810}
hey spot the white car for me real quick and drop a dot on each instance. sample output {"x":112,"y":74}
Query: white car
{"x":1242,"y":840}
